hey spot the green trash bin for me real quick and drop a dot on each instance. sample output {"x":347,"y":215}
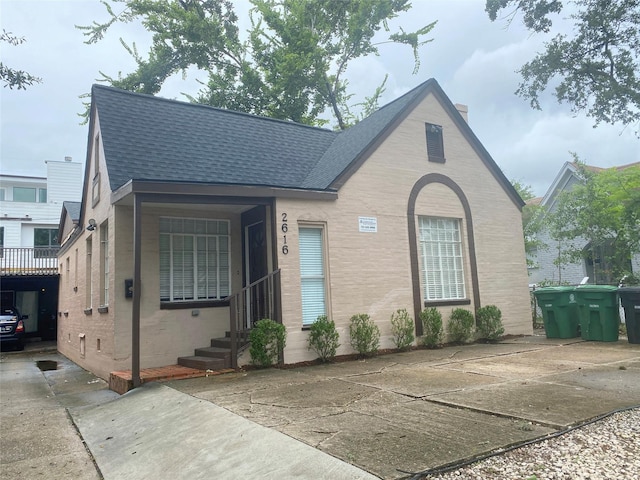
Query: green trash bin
{"x":630,"y":299}
{"x":598,"y":310}
{"x":559,"y":311}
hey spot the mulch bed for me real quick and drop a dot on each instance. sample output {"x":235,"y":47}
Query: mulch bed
{"x":355,"y":356}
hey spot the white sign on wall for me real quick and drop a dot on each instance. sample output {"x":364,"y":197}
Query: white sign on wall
{"x":368,"y":224}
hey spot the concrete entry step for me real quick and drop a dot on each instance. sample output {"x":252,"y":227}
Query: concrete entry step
{"x":202,"y":363}
{"x":214,"y":352}
{"x":225,"y":342}
{"x":221,"y":342}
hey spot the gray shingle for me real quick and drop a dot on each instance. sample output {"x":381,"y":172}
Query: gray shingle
{"x":73,"y":209}
{"x":151,"y":138}
{"x":353,"y":142}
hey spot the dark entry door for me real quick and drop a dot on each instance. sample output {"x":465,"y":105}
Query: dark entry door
{"x":256,"y":239}
{"x":255,"y":260}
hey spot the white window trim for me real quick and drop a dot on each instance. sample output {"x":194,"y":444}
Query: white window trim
{"x":104,"y":244}
{"x":220,"y":295}
{"x":324,"y":276}
{"x":450,"y":290}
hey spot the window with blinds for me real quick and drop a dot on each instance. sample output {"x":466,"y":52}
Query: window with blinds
{"x":194,"y":259}
{"x":441,"y":254}
{"x":312,"y":274}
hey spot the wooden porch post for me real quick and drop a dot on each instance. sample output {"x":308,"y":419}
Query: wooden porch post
{"x":135,"y":314}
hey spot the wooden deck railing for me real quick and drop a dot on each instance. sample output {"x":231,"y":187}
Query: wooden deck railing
{"x":256,"y":301}
{"x":29,"y":261}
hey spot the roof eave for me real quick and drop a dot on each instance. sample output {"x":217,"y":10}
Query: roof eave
{"x":225,"y":191}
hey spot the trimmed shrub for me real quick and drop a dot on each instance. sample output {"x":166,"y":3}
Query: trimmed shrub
{"x":267,"y":339}
{"x":402,"y":328}
{"x":460,"y":326}
{"x":365,"y":335}
{"x":323,"y":338}
{"x":489,"y":323}
{"x":432,"y":327}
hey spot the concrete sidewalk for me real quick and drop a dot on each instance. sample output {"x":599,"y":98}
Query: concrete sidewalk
{"x":400,"y":412}
{"x":156,"y":432}
{"x":37,"y":436}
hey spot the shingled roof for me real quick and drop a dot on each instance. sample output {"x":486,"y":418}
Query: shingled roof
{"x":155,"y":139}
{"x":147,"y":138}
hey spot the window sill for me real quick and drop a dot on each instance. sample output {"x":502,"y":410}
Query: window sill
{"x":88,"y":311}
{"x":444,"y":303}
{"x":433,"y":158}
{"x":194,"y":304}
{"x":103,"y":309}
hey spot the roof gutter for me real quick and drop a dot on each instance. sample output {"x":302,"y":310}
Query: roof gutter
{"x":228,"y":193}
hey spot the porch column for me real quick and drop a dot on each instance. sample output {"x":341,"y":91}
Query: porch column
{"x":135,"y":313}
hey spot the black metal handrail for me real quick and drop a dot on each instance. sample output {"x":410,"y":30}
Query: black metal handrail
{"x":256,"y":301}
{"x":29,"y":260}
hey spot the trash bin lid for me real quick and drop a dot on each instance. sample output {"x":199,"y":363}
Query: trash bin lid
{"x":563,"y":288}
{"x":629,"y":294}
{"x":596,"y":288}
{"x":629,"y":289}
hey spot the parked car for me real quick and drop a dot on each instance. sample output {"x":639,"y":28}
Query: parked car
{"x":11,"y":327}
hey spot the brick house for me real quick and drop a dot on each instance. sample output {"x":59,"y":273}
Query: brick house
{"x":196,"y":222}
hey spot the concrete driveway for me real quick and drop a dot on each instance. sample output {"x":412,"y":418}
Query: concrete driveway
{"x":413,"y":411}
{"x":380,"y":417}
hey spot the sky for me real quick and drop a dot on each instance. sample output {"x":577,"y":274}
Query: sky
{"x":473,"y":59}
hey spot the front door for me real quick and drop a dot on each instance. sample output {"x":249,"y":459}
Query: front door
{"x":255,"y":259}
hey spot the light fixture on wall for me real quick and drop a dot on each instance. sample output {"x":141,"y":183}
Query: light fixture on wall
{"x":92,"y":225}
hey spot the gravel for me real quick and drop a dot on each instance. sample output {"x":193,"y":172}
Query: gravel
{"x":606,"y":449}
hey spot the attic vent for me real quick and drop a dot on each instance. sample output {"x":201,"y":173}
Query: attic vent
{"x":435,"y":145}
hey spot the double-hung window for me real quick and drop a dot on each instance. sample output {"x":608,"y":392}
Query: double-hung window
{"x":442,"y":261}
{"x":194,"y":259}
{"x":45,"y":241}
{"x":104,"y":264}
{"x":312,"y":274}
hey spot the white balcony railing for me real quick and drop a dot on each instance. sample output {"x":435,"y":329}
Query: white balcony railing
{"x":29,"y":261}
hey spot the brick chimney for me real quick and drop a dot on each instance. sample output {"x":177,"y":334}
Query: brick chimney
{"x":463,"y":110}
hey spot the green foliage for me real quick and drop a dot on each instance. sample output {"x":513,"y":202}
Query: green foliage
{"x":533,"y":221}
{"x":365,"y":335}
{"x":596,"y":68}
{"x":489,"y":322}
{"x":290,"y":66}
{"x":460,"y":326}
{"x":402,"y":328}
{"x":10,"y":76}
{"x":323,"y":338}
{"x":267,"y":339}
{"x":604,"y":210}
{"x":432,"y":327}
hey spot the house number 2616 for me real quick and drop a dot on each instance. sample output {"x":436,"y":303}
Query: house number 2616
{"x":285,"y":228}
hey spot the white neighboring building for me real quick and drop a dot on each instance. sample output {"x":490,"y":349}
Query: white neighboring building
{"x":30,"y":207}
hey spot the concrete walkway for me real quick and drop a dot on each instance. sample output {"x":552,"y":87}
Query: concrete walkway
{"x":156,"y":432}
{"x":393,"y":413}
{"x":37,"y":436}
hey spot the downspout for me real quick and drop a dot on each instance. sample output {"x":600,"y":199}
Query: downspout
{"x":135,"y":314}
